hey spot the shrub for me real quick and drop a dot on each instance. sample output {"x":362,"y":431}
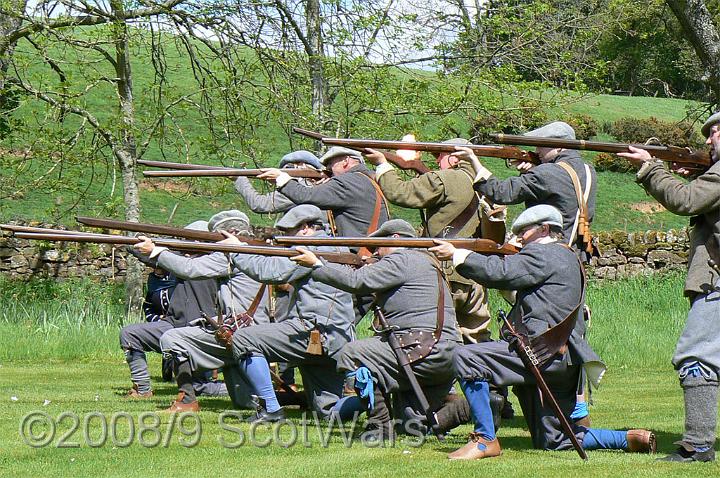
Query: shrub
{"x":584,"y":125}
{"x":515,"y":121}
{"x":612,"y":162}
{"x":634,"y":130}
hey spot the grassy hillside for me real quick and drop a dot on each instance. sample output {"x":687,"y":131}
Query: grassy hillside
{"x":81,"y":187}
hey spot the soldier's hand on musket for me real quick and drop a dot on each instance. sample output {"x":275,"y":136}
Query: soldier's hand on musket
{"x":521,"y":166}
{"x":444,"y":250}
{"x":514,"y":241}
{"x":270,"y":174}
{"x":231,"y":239}
{"x":306,"y":258}
{"x":636,"y":156}
{"x":146,"y":246}
{"x":376,"y":158}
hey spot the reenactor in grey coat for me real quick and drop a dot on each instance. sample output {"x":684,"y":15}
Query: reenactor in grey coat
{"x":195,"y":348}
{"x":188,"y":302}
{"x":546,"y":183}
{"x":319,"y":325}
{"x":549,"y":280}
{"x":697,"y":355}
{"x":449,"y":208}
{"x":411,"y":291}
{"x":276,"y":201}
{"x":350,"y":194}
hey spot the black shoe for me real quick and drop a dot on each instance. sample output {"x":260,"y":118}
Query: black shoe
{"x":377,"y":435}
{"x":507,"y":412}
{"x":267,"y":417}
{"x":686,"y":453}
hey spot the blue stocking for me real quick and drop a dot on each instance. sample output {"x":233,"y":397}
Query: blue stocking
{"x":601,"y":439}
{"x":478,"y":396}
{"x":257,"y":372}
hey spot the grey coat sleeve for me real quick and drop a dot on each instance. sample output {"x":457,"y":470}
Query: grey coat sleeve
{"x":270,"y":270}
{"x":382,"y":275}
{"x":530,"y":186}
{"x":262,"y":203}
{"x":699,"y":196}
{"x":210,"y":266}
{"x":519,"y":271}
{"x":330,"y":195}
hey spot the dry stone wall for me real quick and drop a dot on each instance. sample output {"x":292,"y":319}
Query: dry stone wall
{"x":622,"y":255}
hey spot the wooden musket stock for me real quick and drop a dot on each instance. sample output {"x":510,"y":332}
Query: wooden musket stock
{"x":483,"y":246}
{"x":160,"y":229}
{"x":407,"y":164}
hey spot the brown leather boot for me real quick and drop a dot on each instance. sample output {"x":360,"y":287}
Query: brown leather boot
{"x":583,"y":422}
{"x":178,"y":406}
{"x":135,"y":394}
{"x":641,"y":441}
{"x":472,"y":451}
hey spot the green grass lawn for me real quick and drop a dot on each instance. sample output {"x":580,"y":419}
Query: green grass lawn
{"x":77,"y":366}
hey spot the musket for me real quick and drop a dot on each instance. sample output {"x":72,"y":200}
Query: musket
{"x":527,"y":355}
{"x":690,"y":159}
{"x":483,"y":246}
{"x":404,"y":363}
{"x":346,"y":258}
{"x":162,"y":230}
{"x":171,"y":165}
{"x":16,"y":228}
{"x":492,"y":151}
{"x":230,"y":172}
{"x":407,"y":164}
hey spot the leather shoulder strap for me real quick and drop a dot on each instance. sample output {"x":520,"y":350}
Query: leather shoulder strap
{"x":256,"y":301}
{"x":581,"y":228}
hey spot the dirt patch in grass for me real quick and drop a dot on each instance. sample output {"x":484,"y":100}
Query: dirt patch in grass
{"x":165,"y":185}
{"x":647,"y":207}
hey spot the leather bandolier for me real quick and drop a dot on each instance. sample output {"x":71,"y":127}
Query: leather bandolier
{"x":225,"y":330}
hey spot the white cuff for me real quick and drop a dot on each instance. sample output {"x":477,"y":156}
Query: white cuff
{"x":282,"y":179}
{"x":460,"y":256}
{"x":156,"y":251}
{"x":382,"y":169}
{"x":481,"y":172}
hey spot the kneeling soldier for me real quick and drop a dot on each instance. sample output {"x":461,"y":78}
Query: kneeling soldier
{"x":416,"y":302}
{"x":319,"y":323}
{"x":548,"y":313}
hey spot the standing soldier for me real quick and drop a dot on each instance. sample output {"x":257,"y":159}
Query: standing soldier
{"x":697,"y":355}
{"x":276,"y":201}
{"x":450,"y":208}
{"x":352,"y":195}
{"x":549,"y":280}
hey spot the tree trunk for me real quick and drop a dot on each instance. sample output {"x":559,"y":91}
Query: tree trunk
{"x":702,"y":33}
{"x":9,"y":24}
{"x":126,"y":154}
{"x":315,"y":60}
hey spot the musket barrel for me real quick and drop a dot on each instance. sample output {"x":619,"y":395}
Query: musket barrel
{"x":694,"y":159}
{"x":183,"y":173}
{"x":484,"y":246}
{"x":171,"y":165}
{"x":339,"y":257}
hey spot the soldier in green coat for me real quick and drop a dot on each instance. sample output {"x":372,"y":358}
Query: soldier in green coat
{"x":697,"y":355}
{"x":449,"y":208}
